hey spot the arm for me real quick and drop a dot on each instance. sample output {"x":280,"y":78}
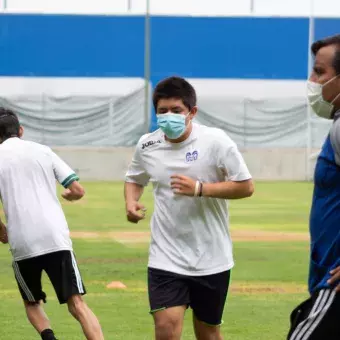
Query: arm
{"x":136,"y":179}
{"x":238,"y":183}
{"x":3,"y":232}
{"x":73,"y":192}
{"x":67,"y":178}
{"x":335,"y":140}
{"x":183,"y":185}
{"x":133,"y":192}
{"x":228,"y":190}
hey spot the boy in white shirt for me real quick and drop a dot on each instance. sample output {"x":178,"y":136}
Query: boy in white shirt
{"x":37,"y":230}
{"x":194,"y":169}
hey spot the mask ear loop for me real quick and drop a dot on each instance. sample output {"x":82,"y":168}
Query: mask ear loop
{"x":338,"y":93}
{"x":335,"y":98}
{"x":335,"y":77}
{"x":188,"y":116}
{"x":330,"y":80}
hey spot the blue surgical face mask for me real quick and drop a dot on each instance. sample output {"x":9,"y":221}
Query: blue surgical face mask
{"x":172,"y":124}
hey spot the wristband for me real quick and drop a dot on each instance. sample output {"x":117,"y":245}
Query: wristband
{"x":200,"y":192}
{"x":197,"y":186}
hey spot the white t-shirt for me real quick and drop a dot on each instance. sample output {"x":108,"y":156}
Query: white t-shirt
{"x":189,"y":235}
{"x":36,"y":224}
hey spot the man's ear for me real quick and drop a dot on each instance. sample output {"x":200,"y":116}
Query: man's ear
{"x":21,"y":131}
{"x":193,"y":112}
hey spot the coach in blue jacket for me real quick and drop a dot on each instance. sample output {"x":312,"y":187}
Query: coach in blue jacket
{"x":319,"y":316}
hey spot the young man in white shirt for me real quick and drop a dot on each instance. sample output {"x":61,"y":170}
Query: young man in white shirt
{"x":194,"y":170}
{"x":37,"y":230}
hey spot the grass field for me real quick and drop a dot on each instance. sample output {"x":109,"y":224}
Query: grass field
{"x":270,"y":232}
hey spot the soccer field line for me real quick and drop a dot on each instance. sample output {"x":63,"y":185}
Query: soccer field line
{"x":236,"y":287}
{"x":134,"y":237}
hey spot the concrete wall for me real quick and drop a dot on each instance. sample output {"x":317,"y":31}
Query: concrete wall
{"x":102,"y":164}
{"x":280,"y":163}
{"x":110,"y":164}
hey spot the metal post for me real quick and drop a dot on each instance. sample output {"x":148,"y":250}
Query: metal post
{"x":252,"y":6}
{"x":4,"y":5}
{"x":111,"y":112}
{"x":245,"y":106}
{"x":147,"y":65}
{"x":43,"y":116}
{"x":310,"y":67}
{"x":129,"y":5}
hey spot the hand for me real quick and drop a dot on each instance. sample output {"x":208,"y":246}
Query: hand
{"x":3,"y":233}
{"x":133,"y":213}
{"x":67,"y":195}
{"x":335,"y":277}
{"x":182,"y":185}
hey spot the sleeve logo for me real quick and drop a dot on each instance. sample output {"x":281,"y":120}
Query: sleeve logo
{"x":149,"y":143}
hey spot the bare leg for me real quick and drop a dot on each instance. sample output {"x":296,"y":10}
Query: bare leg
{"x":36,"y":315}
{"x":204,"y":331}
{"x":89,"y":322}
{"x":169,"y":323}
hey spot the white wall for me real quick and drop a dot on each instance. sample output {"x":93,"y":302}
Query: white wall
{"x":327,"y":8}
{"x":110,"y":164}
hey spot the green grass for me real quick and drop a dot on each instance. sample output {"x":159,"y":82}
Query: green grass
{"x":274,"y":273}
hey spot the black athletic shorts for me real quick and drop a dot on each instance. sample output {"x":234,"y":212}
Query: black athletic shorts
{"x":317,"y":318}
{"x":62,"y":270}
{"x":206,"y":295}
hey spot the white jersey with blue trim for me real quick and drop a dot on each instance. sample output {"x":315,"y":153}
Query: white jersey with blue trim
{"x":36,"y":224}
{"x":189,"y":235}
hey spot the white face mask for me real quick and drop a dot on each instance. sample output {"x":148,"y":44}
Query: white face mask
{"x":321,"y":107}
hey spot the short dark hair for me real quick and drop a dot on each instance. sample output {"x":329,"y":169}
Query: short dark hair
{"x":175,"y":87}
{"x":9,"y":124}
{"x":332,"y":40}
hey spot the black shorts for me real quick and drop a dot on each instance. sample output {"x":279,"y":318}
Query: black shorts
{"x":62,"y":270}
{"x":317,"y":318}
{"x":206,"y":295}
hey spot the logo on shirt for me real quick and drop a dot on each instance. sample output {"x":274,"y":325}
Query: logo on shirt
{"x":149,"y":143}
{"x":191,"y":156}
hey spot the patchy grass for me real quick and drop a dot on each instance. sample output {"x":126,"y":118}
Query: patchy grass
{"x":270,"y":248}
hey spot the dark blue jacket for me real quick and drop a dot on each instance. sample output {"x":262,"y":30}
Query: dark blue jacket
{"x":325,"y":212}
